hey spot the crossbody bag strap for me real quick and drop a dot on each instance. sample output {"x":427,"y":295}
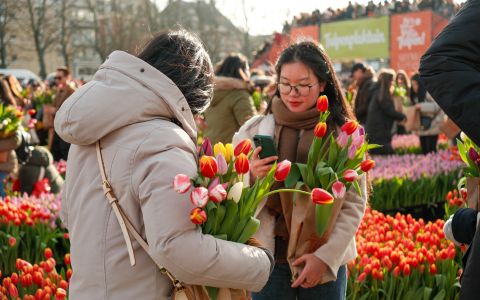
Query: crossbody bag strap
{"x":125,"y":224}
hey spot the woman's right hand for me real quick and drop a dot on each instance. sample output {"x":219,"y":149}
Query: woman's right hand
{"x":260,"y":167}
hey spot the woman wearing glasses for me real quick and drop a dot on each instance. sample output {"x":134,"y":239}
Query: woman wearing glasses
{"x":304,"y":73}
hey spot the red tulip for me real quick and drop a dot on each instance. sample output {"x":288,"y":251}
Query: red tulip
{"x":406,"y":270}
{"x":433,"y":269}
{"x":321,"y":196}
{"x":198,"y":216}
{"x":199,"y":196}
{"x":243,"y":147}
{"x":320,"y":130}
{"x":362,"y":277}
{"x":13,"y":291}
{"x":241,"y":164}
{"x":208,"y":166}
{"x":181,"y":183}
{"x":282,"y":171}
{"x":48,"y":253}
{"x":349,"y":127}
{"x":350,"y":175}
{"x":367,"y":165}
{"x":322,"y":103}
{"x":32,"y":112}
{"x":12,"y":241}
{"x":217,"y":194}
{"x":67,"y":259}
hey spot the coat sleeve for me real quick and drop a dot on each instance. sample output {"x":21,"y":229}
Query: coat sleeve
{"x":176,"y":243}
{"x":348,"y":221}
{"x":450,"y":69}
{"x":389,"y":109}
{"x":242,"y":107}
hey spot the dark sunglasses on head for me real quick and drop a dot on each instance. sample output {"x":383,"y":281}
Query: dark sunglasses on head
{"x":58,"y":77}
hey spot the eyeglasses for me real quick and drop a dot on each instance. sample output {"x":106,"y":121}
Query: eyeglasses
{"x":57,"y":77}
{"x":300,"y":89}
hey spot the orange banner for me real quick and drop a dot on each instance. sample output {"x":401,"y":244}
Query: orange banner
{"x":411,"y":35}
{"x":305,"y":32}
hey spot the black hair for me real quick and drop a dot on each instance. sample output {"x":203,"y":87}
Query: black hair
{"x":422,"y":92}
{"x":314,"y":56}
{"x":182,"y":57}
{"x":384,"y":82}
{"x":234,"y":65}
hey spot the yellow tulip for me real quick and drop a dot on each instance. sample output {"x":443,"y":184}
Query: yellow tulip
{"x":229,"y":153}
{"x":219,"y":148}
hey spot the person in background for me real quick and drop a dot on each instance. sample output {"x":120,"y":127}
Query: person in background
{"x":382,"y":114}
{"x":365,"y":83}
{"x":431,"y":115}
{"x":450,"y":71}
{"x":401,"y":96}
{"x":6,"y":96}
{"x":232,"y":104}
{"x":65,"y":88}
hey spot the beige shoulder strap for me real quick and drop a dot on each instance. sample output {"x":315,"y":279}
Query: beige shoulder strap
{"x":125,"y":224}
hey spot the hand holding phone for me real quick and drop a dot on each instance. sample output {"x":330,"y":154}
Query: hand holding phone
{"x":268,"y":145}
{"x":263,"y":156}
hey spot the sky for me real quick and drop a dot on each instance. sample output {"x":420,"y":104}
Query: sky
{"x":268,"y":16}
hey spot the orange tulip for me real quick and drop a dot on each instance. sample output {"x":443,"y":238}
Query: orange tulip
{"x":241,"y":164}
{"x":320,"y":130}
{"x":208,"y":166}
{"x":48,"y":253}
{"x":322,"y":103}
{"x":350,"y":127}
{"x":243,"y":147}
{"x":198,"y":216}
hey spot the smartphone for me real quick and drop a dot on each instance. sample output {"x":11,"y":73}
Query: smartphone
{"x":267,"y":144}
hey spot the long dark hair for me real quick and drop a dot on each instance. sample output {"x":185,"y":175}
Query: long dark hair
{"x":422,"y":92}
{"x":384,"y":82}
{"x":314,"y":56}
{"x":234,"y":65}
{"x":181,"y":57}
{"x":6,"y":96}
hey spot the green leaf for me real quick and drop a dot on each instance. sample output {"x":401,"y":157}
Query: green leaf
{"x":440,"y":295}
{"x":426,"y":293}
{"x":303,"y":171}
{"x":319,"y":172}
{"x":293,"y":176}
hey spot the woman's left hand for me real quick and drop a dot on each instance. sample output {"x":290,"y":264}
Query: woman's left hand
{"x":312,"y":271}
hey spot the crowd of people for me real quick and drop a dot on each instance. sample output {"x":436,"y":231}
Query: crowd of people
{"x":446,"y":8}
{"x":33,"y":147}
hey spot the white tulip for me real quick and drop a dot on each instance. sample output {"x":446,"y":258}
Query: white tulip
{"x":235,"y":192}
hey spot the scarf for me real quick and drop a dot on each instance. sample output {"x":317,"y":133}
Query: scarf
{"x":294,"y":135}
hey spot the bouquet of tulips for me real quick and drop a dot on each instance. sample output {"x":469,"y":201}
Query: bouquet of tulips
{"x":470,"y":154}
{"x":334,"y":164}
{"x":224,"y":204}
{"x":10,"y":120}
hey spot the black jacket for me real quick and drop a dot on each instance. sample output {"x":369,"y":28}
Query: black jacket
{"x":363,"y":97}
{"x":380,"y":117}
{"x":450,"y":70}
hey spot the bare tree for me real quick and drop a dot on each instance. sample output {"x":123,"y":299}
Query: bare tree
{"x":67,"y":29}
{"x":42,"y":27}
{"x":246,"y":35}
{"x":7,"y":8}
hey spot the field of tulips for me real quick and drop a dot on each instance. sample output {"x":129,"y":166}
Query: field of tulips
{"x":402,"y":258}
{"x":402,"y":181}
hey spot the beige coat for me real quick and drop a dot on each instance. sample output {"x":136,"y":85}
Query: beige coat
{"x":123,"y":106}
{"x":340,"y":247}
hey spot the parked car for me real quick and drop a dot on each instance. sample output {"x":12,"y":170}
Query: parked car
{"x":24,"y":76}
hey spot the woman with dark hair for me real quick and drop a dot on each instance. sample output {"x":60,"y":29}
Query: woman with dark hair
{"x":232,"y":105}
{"x":431,"y":115}
{"x":401,"y":96}
{"x":382,"y":114}
{"x":304,"y":73}
{"x":141,"y":109}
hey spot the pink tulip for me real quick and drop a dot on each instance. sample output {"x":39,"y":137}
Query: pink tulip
{"x":342,"y":139}
{"x":218,"y":194}
{"x":358,"y":141}
{"x":350,"y":175}
{"x":206,"y":148}
{"x":213,"y":183}
{"x":181,"y":183}
{"x":222,"y":165}
{"x":352,"y":152}
{"x":339,"y":190}
{"x":199,"y":196}
{"x":283,"y":168}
